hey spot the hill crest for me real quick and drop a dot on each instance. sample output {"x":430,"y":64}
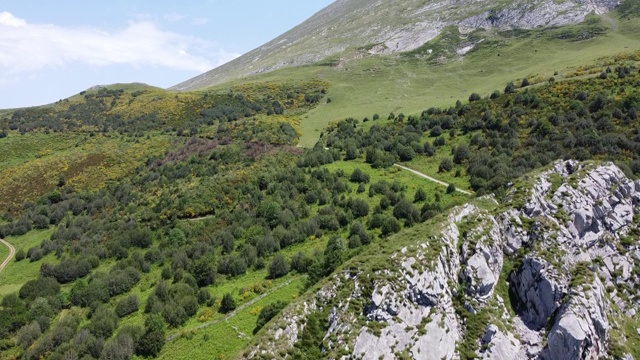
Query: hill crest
{"x":393,"y":27}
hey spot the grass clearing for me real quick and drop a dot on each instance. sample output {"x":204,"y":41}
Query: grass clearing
{"x":410,"y":180}
{"x":15,"y":274}
{"x":222,"y":341}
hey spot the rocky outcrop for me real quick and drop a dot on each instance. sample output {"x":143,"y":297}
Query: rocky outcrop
{"x":538,"y":291}
{"x":535,"y":280}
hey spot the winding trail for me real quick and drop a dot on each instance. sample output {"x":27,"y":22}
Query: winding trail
{"x":431,"y":179}
{"x":12,"y":251}
{"x":232,"y":314}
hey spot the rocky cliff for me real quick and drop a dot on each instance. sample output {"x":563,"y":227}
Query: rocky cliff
{"x":551,"y":272}
{"x":387,"y":27}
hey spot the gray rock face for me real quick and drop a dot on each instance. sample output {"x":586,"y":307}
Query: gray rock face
{"x":580,"y":331}
{"x":537,"y":290}
{"x":393,"y":27}
{"x":568,"y":267}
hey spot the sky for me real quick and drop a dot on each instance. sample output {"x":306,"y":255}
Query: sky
{"x":50,"y":50}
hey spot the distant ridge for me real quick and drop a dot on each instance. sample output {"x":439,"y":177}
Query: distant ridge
{"x":387,"y":27}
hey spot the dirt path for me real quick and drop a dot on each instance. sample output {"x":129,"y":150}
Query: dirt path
{"x":232,"y":314}
{"x":12,"y":251}
{"x":431,"y":179}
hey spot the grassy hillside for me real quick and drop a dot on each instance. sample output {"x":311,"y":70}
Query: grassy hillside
{"x":233,"y":216}
{"x":362,"y":85}
{"x":161,"y":224}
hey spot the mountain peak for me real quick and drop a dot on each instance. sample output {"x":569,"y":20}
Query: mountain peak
{"x":388,"y":27}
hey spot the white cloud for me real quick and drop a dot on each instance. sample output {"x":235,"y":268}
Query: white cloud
{"x":7,"y":19}
{"x":31,"y":47}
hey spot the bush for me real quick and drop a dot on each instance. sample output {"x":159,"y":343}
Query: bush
{"x":40,"y":287}
{"x":445,"y":165}
{"x":389,"y":226}
{"x":359,"y":208}
{"x":278,"y":267}
{"x":510,"y":88}
{"x":228,"y":304}
{"x":474,"y":97}
{"x":103,"y":322}
{"x":152,"y":341}
{"x":419,"y":196}
{"x":267,"y":313}
{"x":461,"y":154}
{"x":20,"y":255}
{"x":127,"y":306}
{"x":359,"y":176}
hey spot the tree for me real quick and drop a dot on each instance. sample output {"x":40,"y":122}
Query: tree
{"x":228,"y":303}
{"x":474,"y":97}
{"x":128,"y":305}
{"x":359,"y":208}
{"x":279,"y":267}
{"x":419,"y":196}
{"x":20,"y":255}
{"x":445,"y":165}
{"x":228,"y":242}
{"x":435,"y":131}
{"x":152,"y":341}
{"x":389,"y":226}
{"x":103,"y":322}
{"x":333,"y":253}
{"x":300,"y":262}
{"x":510,"y":88}
{"x":267,"y":313}
{"x":525,"y":82}
{"x":28,"y":334}
{"x":359,"y":176}
{"x":461,"y":154}
{"x":204,"y":272}
{"x":451,"y":189}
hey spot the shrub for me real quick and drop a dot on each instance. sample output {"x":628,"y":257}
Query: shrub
{"x":359,"y":208}
{"x":474,"y":97}
{"x":278,"y":267}
{"x":127,"y":306}
{"x":389,"y":226}
{"x":510,"y":88}
{"x":359,"y":176}
{"x":152,"y":341}
{"x":419,"y":196}
{"x":20,"y":255}
{"x":461,"y":154}
{"x":445,"y":165}
{"x":267,"y":313}
{"x":228,"y":304}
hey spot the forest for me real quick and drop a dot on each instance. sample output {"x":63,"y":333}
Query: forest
{"x":232,"y":196}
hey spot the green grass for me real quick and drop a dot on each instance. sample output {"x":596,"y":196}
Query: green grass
{"x":18,"y":149}
{"x":410,"y":180}
{"x":15,"y":274}
{"x":429,"y":165}
{"x":381,"y":84}
{"x":221,"y":341}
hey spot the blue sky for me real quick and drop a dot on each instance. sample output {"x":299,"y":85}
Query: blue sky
{"x":50,"y":50}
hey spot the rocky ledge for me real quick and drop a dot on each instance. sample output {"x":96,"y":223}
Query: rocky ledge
{"x":550,"y":273}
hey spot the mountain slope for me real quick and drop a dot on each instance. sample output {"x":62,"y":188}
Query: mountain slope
{"x":387,"y":27}
{"x":547,"y":274}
